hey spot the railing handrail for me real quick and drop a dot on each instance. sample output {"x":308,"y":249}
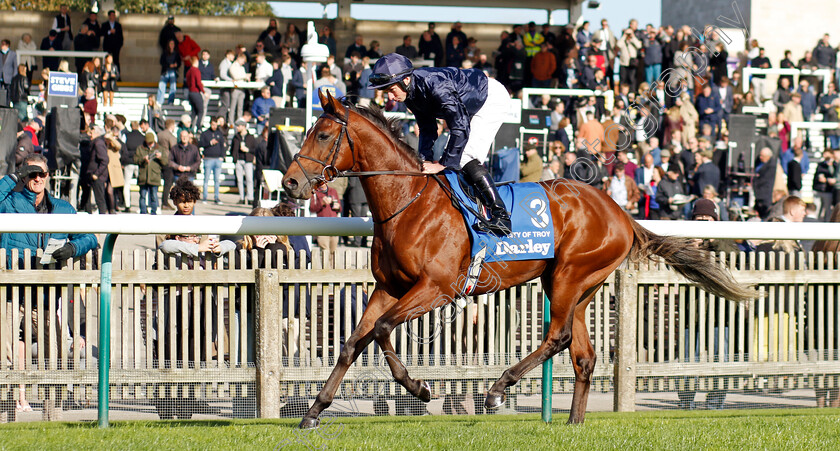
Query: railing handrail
{"x":747,"y":71}
{"x":59,"y":54}
{"x":233,"y":84}
{"x":528,"y":92}
{"x":137,"y":224}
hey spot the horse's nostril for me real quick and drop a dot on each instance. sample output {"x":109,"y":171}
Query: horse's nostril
{"x":290,"y":184}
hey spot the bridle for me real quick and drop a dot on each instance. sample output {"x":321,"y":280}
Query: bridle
{"x":330,"y":172}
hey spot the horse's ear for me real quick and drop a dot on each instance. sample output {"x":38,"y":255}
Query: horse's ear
{"x":326,"y":101}
{"x":336,"y":104}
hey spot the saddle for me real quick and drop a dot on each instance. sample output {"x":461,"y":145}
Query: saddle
{"x":532,"y":231}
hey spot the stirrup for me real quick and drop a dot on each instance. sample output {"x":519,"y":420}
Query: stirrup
{"x":497,"y":226}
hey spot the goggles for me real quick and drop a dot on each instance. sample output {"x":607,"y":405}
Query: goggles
{"x":387,"y":79}
{"x":380,"y":79}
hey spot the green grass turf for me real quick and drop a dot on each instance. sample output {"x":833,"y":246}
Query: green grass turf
{"x":806,"y":429}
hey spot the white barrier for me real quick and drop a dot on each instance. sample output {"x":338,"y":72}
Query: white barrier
{"x":748,"y":71}
{"x":751,"y":230}
{"x":822,"y":126}
{"x":59,"y":54}
{"x":556,"y":92}
{"x":250,"y":225}
{"x":233,"y":84}
{"x":137,"y":224}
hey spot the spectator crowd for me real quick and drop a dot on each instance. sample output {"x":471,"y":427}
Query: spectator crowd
{"x":660,"y":148}
{"x":657,"y":146}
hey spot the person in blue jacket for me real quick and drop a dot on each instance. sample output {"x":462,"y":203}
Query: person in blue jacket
{"x":708,"y":108}
{"x":473,"y":106}
{"x":25,"y":192}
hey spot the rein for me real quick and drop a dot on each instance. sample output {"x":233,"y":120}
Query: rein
{"x":329,"y":172}
{"x":416,"y":196}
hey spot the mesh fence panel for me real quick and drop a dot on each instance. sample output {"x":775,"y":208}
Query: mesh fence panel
{"x":184,"y":342}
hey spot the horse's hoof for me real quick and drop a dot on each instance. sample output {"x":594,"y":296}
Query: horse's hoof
{"x":425,"y":394}
{"x":494,"y":401}
{"x":309,"y":423}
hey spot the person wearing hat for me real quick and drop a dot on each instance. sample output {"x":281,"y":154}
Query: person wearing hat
{"x":706,"y":210}
{"x":531,"y":170}
{"x":242,"y":149}
{"x":473,"y":107}
{"x":667,"y":164}
{"x":150,"y":158}
{"x":532,"y":39}
{"x":167,"y":33}
{"x":670,"y":187}
{"x":26,"y":191}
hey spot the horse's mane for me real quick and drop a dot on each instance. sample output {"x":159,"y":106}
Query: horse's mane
{"x":391,"y":127}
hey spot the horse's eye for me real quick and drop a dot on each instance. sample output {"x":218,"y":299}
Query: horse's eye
{"x":323,"y":136}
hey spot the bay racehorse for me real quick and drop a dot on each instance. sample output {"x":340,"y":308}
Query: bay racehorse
{"x":421,"y":247}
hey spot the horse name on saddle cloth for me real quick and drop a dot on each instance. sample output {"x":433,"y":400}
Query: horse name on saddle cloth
{"x":532,"y":234}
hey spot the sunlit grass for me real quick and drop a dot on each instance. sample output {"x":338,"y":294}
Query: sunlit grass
{"x":809,"y":429}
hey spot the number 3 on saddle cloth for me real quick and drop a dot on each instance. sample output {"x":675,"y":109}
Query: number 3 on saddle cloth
{"x":532,"y":231}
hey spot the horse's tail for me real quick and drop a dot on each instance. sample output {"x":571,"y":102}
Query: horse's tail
{"x":692,"y":262}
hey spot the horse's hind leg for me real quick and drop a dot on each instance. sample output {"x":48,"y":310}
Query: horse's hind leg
{"x":563,"y":298}
{"x":355,"y":344}
{"x":583,"y":360}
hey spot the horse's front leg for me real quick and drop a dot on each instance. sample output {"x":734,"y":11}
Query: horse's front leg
{"x":422,"y":298}
{"x":380,"y":301}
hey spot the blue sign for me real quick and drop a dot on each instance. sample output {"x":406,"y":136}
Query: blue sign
{"x":332,"y":89}
{"x":63,"y":84}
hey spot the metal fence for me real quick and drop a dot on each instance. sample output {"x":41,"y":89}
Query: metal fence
{"x":215,"y":336}
{"x":777,"y":351}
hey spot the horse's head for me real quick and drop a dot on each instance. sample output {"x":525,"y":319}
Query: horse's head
{"x":327,"y":150}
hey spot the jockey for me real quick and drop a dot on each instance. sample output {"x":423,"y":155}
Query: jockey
{"x":473,"y":107}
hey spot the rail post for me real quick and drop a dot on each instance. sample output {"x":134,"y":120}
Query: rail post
{"x":626,"y":322}
{"x":547,"y":376}
{"x":105,"y":329}
{"x":268,"y":317}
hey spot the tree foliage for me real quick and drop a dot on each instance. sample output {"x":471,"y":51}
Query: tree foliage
{"x":175,"y":7}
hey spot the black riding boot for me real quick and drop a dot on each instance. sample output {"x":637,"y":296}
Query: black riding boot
{"x":499,"y":222}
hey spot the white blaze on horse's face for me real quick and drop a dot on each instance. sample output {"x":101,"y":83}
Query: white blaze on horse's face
{"x":324,"y":152}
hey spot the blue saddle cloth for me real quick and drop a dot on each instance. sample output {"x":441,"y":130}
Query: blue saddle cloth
{"x":532,"y":234}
